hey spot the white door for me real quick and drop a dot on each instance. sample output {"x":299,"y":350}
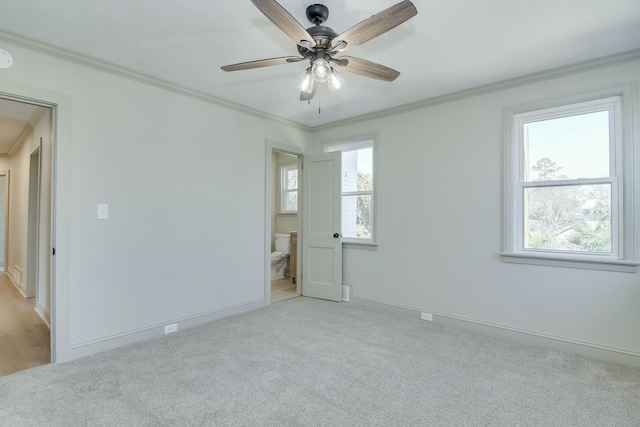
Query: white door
{"x":321,"y":225}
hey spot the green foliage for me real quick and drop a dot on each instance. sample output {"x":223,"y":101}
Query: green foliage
{"x":571,"y":218}
{"x":546,"y":169}
{"x":363,"y":207}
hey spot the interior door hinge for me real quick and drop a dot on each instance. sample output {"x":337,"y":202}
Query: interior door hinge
{"x":53,"y":252}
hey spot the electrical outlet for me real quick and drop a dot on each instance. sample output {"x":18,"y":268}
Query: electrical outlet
{"x":170,"y":328}
{"x":426,"y":316}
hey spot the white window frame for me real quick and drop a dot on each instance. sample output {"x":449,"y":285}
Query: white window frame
{"x":352,"y":145}
{"x":284,"y":191}
{"x":624,"y":232}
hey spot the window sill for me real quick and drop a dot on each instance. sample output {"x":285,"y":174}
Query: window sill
{"x":368,"y":246}
{"x":287,"y":213}
{"x":584,"y":262}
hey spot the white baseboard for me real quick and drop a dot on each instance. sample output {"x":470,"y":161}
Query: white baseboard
{"x":43,"y":313}
{"x":86,"y":348}
{"x":10,"y":276}
{"x":609,"y":354}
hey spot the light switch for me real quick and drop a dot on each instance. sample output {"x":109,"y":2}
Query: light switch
{"x":103,"y":211}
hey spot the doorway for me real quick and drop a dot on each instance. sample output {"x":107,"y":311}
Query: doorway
{"x":283,"y":187}
{"x":318,"y":250}
{"x":26,"y":181}
{"x":4,"y":198}
{"x":285,"y":213}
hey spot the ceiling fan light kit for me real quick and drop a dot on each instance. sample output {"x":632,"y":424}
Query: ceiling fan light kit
{"x":319,"y":44}
{"x":6,"y":61}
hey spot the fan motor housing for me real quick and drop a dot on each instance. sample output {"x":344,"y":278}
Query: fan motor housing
{"x":317,"y":13}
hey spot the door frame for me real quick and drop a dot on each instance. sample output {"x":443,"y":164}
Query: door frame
{"x":272,"y":147}
{"x":5,"y":242}
{"x":33,"y":222}
{"x":60,"y":124}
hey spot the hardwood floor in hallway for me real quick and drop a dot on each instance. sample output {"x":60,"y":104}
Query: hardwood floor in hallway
{"x":283,"y":289}
{"x":24,"y":337}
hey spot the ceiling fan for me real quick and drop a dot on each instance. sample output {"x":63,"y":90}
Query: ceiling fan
{"x":319,"y":44}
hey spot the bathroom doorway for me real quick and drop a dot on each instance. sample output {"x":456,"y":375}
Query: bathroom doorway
{"x":283,"y":207}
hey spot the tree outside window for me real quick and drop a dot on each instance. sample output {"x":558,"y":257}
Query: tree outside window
{"x":290,"y":188}
{"x":357,"y":190}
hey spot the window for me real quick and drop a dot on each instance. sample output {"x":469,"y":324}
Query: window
{"x":289,"y":189}
{"x":565,"y":199}
{"x":357,"y":190}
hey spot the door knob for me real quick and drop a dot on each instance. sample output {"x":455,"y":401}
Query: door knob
{"x":336,"y":235}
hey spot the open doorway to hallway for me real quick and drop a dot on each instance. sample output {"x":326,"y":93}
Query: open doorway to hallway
{"x":24,"y":336}
{"x":26,"y":146}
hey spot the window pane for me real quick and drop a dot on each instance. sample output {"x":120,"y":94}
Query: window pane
{"x":567,"y":148}
{"x":356,"y":216}
{"x":291,"y":201}
{"x":292,"y":179}
{"x":357,"y":170}
{"x":568,"y":218}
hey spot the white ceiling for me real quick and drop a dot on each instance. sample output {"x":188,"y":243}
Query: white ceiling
{"x":451,"y":45}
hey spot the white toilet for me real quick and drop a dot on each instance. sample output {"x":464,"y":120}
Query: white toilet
{"x":280,"y":258}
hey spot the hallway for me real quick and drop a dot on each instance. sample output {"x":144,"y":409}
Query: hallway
{"x":24,"y":337}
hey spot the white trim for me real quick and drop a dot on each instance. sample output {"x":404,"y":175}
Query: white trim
{"x":43,"y":312}
{"x":560,"y":260}
{"x":270,"y":147}
{"x":354,"y":144}
{"x":9,"y":273}
{"x":5,"y":243}
{"x":35,"y":119}
{"x":86,"y":348}
{"x":116,"y":70}
{"x":87,"y":61}
{"x":61,"y":132}
{"x":539,"y":339}
{"x":580,"y":67}
{"x":617,"y":100}
{"x":370,"y":246}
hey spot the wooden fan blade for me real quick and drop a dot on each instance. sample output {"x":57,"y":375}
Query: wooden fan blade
{"x":377,"y":24}
{"x":283,"y":20}
{"x":262,"y":63}
{"x":367,"y":68}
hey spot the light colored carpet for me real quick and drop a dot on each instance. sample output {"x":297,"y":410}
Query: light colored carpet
{"x":311,"y":362}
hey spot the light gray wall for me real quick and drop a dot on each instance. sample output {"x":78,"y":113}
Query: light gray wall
{"x":439,"y":183}
{"x":184,"y":180}
{"x":5,"y":165}
{"x":19,"y":210}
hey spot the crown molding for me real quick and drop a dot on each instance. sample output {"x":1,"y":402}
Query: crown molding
{"x":98,"y":64}
{"x":111,"y":68}
{"x":28,"y":129}
{"x":605,"y":61}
